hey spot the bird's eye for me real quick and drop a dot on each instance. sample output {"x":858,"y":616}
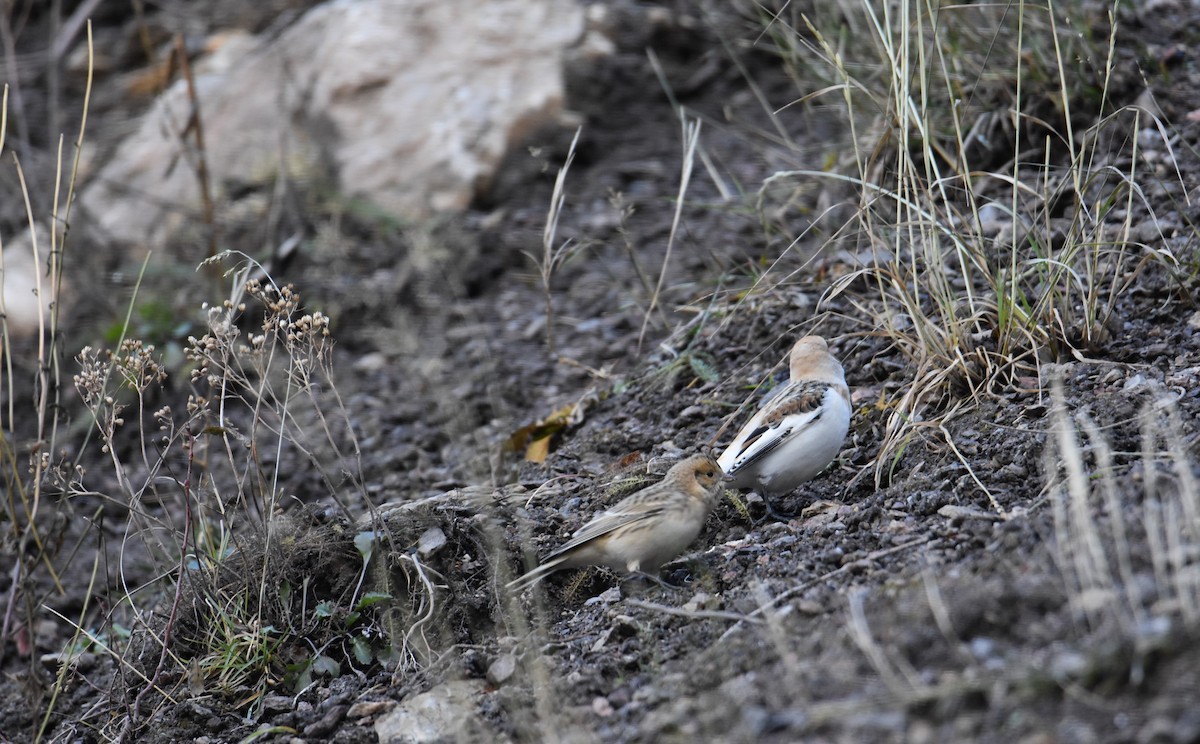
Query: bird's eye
{"x":709,"y":473}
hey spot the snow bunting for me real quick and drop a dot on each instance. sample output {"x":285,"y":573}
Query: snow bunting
{"x":644,"y":530}
{"x":799,"y":429}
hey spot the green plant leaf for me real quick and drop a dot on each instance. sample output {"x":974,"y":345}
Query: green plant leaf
{"x":371,"y":599}
{"x":363,"y":653}
{"x":322,"y":664}
{"x":703,"y":369}
{"x":300,"y":675}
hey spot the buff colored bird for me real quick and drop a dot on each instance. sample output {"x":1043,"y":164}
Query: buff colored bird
{"x":798,"y":431}
{"x":644,"y":530}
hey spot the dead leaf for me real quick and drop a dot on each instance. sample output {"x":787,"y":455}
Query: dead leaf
{"x":535,"y":439}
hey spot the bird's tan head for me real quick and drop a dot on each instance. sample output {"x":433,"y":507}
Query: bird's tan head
{"x":810,"y":360}
{"x":809,"y":346}
{"x":701,"y":470}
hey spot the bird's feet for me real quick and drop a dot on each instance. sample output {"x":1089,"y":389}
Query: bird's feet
{"x":656,"y":579}
{"x":770,"y":513}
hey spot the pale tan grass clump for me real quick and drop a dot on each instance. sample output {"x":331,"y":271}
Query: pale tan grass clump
{"x":204,"y":488}
{"x":995,"y":181}
{"x":35,"y":522}
{"x":1126,"y":548}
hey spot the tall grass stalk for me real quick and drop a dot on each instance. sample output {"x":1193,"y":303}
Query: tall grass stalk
{"x":554,"y":254}
{"x":38,"y":555}
{"x":979,"y":271}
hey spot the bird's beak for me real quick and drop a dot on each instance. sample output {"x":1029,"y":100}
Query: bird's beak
{"x":726,"y":477}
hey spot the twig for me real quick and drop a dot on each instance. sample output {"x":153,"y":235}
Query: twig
{"x":680,"y":612}
{"x":60,"y":679}
{"x":152,"y":683}
{"x":691,"y":137}
{"x":69,"y":29}
{"x":11,"y":603}
{"x":553,"y":257}
{"x":825,"y":577}
{"x":195,"y":125}
{"x":12,"y":68}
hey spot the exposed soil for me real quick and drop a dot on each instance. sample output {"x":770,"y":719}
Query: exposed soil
{"x":929,"y":597}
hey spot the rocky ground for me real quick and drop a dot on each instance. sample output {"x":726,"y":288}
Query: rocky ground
{"x":943,"y":591}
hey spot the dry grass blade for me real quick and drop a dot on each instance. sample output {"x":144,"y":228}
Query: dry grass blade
{"x":5,"y":339}
{"x":691,"y":138}
{"x":901,"y":681}
{"x":1096,"y":530}
{"x":41,"y":557}
{"x":1080,"y":553}
{"x":978,"y":277}
{"x":554,"y":254}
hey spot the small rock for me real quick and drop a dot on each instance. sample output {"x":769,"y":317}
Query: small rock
{"x":783,"y":541}
{"x":624,"y":626}
{"x":78,"y":661}
{"x":327,"y":722}
{"x":620,"y":697}
{"x":982,"y":647}
{"x":921,"y":732}
{"x":275,"y":703}
{"x":448,"y":712}
{"x":608,"y":596}
{"x":371,"y":362}
{"x":1149,"y":138}
{"x":1135,"y":382}
{"x":601,"y":707}
{"x":1068,"y":665}
{"x":602,"y":641}
{"x":431,"y":541}
{"x":690,"y":413}
{"x":832,"y":556}
{"x":809,"y":607}
{"x":369,"y":708}
{"x":957,"y":513}
{"x":700,"y":601}
{"x":502,"y":669}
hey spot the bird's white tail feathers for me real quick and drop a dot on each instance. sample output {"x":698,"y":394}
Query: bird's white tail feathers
{"x":523,"y":582}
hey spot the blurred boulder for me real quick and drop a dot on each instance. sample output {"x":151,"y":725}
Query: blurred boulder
{"x":408,"y":104}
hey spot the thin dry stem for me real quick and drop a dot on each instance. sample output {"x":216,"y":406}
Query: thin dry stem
{"x":691,"y":138}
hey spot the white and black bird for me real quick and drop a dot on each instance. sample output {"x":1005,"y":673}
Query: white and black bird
{"x":798,"y":431}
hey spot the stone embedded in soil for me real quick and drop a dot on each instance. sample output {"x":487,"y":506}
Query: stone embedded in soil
{"x":276,"y":703}
{"x":78,"y":662}
{"x":601,"y":707}
{"x":408,"y":105}
{"x":431,"y":541}
{"x":502,"y":669}
{"x":327,"y":722}
{"x":445,"y":713}
{"x":701,"y":601}
{"x":365,"y":708}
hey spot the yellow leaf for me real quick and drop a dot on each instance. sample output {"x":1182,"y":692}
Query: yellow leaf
{"x":535,"y":439}
{"x":538,"y":450}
